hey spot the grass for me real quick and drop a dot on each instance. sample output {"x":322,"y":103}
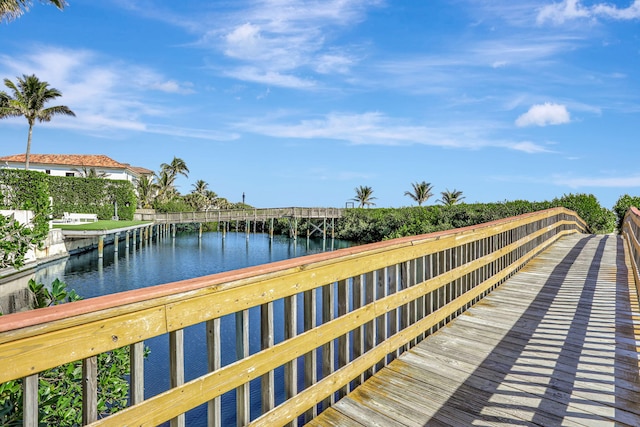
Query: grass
{"x":100,"y":225}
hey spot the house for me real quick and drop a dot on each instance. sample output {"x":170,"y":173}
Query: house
{"x":76,"y":165}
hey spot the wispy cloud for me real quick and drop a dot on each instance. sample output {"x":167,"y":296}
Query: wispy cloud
{"x":568,"y":10}
{"x":280,"y":42}
{"x":106,"y":93}
{"x":543,"y":115}
{"x":376,"y":128}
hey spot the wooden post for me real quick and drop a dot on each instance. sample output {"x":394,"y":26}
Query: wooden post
{"x":136,"y":361}
{"x":266,"y":341}
{"x":30,"y":401}
{"x":200,"y":231}
{"x":243,"y":412}
{"x":271,"y":229}
{"x":126,"y":239}
{"x":115,"y":243}
{"x":214,"y":407}
{"x":101,"y":246}
{"x":90,"y":390}
{"x":176,"y":362}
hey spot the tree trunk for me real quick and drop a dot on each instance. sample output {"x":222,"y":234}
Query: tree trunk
{"x":26,"y":156}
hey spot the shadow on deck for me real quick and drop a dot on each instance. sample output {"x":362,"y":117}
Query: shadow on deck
{"x":554,"y":345}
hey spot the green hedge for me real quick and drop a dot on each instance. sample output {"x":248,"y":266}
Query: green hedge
{"x":27,"y":190}
{"x":374,"y":225}
{"x":92,"y":195}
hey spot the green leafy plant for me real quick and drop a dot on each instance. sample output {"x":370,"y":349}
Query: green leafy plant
{"x":60,"y":388}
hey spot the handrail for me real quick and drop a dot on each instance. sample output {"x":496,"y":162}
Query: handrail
{"x":631,"y":232}
{"x":251,"y":214}
{"x":360,"y":307}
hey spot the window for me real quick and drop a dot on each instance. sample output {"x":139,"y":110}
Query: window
{"x":47,"y":171}
{"x":69,"y":174}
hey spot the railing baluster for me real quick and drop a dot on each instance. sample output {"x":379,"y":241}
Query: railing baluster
{"x":311,"y":358}
{"x":214,"y":408}
{"x":30,"y":401}
{"x":176,"y":365}
{"x":242,"y":351}
{"x":291,"y":368}
{"x":369,"y":337}
{"x":136,"y":362}
{"x":358,"y":333}
{"x":343,"y":341}
{"x":89,"y":389}
{"x":266,"y":341}
{"x":328,"y":349}
{"x":382,"y":283}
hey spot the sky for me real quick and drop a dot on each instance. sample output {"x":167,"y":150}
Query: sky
{"x":298,"y":102}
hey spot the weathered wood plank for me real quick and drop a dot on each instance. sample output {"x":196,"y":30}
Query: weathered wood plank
{"x":557,"y":344}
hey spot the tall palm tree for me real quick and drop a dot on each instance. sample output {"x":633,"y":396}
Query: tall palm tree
{"x":421,"y":192}
{"x":146,"y":189}
{"x":175,"y":168}
{"x":200,"y":187}
{"x":364,"y":196}
{"x":166,"y":189}
{"x":11,"y":9}
{"x":450,"y":198}
{"x":29,"y":98}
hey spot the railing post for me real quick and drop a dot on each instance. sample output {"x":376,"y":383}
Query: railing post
{"x":89,"y":390}
{"x":214,"y":407}
{"x":242,"y":351}
{"x":30,"y":401}
{"x":176,"y":362}
{"x":266,"y":341}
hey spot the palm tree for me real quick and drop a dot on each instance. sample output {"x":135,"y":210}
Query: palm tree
{"x":11,"y":9}
{"x":166,"y":189}
{"x":364,"y":196}
{"x":450,"y":198}
{"x":146,"y":191}
{"x":200,"y":187}
{"x":175,"y":168}
{"x":29,"y":98}
{"x":421,"y":192}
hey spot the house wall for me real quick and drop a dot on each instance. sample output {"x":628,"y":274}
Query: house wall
{"x":57,"y":170}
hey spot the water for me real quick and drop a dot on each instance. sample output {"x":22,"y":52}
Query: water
{"x":181,"y":258}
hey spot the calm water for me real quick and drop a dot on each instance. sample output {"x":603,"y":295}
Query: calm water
{"x":185,"y":257}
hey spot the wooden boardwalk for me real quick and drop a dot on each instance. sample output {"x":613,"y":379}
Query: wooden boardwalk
{"x":557,"y":344}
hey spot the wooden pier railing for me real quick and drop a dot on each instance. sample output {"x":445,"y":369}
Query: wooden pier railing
{"x":226,"y":215}
{"x":326,"y":323}
{"x":631,"y":232}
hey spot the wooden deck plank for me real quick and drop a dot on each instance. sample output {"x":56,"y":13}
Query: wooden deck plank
{"x":557,"y":344}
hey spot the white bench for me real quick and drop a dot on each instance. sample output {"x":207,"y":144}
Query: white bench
{"x":79,"y":217}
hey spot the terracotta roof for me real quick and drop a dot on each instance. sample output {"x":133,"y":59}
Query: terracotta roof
{"x":88,"y":160}
{"x":141,"y":170}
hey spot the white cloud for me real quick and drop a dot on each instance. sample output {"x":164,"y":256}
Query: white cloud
{"x":375,"y":128}
{"x":567,"y":10}
{"x":529,"y":147}
{"x":543,"y":115}
{"x":106,"y":94}
{"x":284,"y":37}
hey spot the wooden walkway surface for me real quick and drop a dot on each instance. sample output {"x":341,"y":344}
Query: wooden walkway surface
{"x":557,"y":344}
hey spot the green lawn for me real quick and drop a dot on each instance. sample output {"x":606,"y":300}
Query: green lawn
{"x":100,"y":225}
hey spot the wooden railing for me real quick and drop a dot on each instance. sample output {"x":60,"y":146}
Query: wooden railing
{"x":631,"y":232}
{"x":326,"y":322}
{"x":222,"y":215}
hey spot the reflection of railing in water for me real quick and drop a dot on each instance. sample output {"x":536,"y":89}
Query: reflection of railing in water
{"x":362,"y":307}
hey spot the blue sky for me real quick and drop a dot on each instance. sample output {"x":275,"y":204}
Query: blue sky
{"x":296,"y":103}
